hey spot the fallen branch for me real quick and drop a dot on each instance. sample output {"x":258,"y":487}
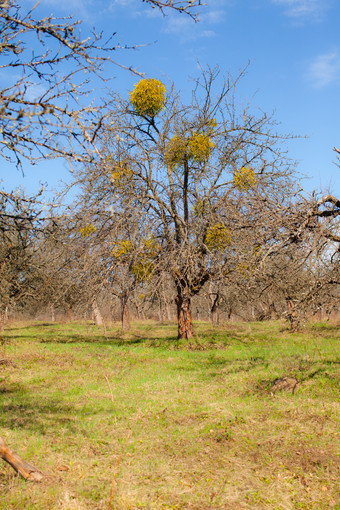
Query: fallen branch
{"x":23,"y":468}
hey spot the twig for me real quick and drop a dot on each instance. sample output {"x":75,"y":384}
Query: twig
{"x":115,"y":471}
{"x":109,"y":385}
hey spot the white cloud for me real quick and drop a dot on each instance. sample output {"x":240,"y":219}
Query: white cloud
{"x":186,"y":30}
{"x":213,"y":17}
{"x":181,"y":26}
{"x":67,"y":5}
{"x":303,"y":9}
{"x":121,"y":3}
{"x":211,"y":14}
{"x":80,"y":9}
{"x":34,"y":92}
{"x":324,"y":70}
{"x":134,"y":9}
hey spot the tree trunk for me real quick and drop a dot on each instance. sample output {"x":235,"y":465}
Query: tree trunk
{"x":23,"y":468}
{"x":97,"y":316}
{"x":272,"y":311}
{"x":68,"y":312}
{"x":292,"y":315}
{"x":2,"y":321}
{"x":168,"y":311}
{"x":214,"y":317}
{"x":160,"y":310}
{"x":138,"y":312}
{"x":184,"y":315}
{"x":52,"y":313}
{"x":166,"y":307}
{"x":125,"y":311}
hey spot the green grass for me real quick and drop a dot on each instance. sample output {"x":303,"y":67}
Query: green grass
{"x":140,"y":420}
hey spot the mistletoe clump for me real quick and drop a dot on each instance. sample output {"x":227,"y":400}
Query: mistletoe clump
{"x":200,"y":147}
{"x":245,"y":179}
{"x":141,"y":256}
{"x":122,"y":249}
{"x":218,"y":237}
{"x":197,"y":148}
{"x":87,"y":230}
{"x":175,"y":152}
{"x":148,"y":97}
{"x":121,"y":175}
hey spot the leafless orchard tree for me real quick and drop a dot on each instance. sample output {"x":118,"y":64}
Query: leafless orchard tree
{"x":321,"y":221}
{"x":121,"y":256}
{"x":18,"y":220}
{"x":42,"y":114}
{"x":305,"y":269}
{"x":210,"y":178}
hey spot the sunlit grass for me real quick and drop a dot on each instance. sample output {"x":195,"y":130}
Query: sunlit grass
{"x":140,"y":420}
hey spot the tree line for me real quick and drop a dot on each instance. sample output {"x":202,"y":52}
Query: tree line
{"x":183,"y":203}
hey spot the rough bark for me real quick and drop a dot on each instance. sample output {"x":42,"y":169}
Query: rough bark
{"x":27,"y":471}
{"x":292,"y":315}
{"x":2,"y":320}
{"x":97,"y":316}
{"x":214,"y":316}
{"x":125,"y":312}
{"x":168,"y":311}
{"x":184,"y":316}
{"x":161,"y":317}
{"x":68,"y":313}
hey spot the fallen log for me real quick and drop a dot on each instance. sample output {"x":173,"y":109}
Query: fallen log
{"x":23,"y":468}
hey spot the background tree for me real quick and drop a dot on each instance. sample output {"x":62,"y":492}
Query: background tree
{"x":18,"y":223}
{"x":121,"y":249}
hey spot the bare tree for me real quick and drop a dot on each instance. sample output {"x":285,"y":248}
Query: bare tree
{"x":42,"y":113}
{"x":46,"y":111}
{"x":307,"y":268}
{"x":19,"y":217}
{"x":211,"y":182}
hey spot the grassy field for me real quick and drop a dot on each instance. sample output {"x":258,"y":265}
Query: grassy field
{"x":243,"y":417}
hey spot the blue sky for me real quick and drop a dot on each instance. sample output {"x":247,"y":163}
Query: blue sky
{"x":293,"y":47}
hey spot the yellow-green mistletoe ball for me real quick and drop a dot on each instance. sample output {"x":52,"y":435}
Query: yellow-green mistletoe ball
{"x":197,"y":148}
{"x":87,"y":230}
{"x":200,"y":147}
{"x":218,"y":237}
{"x":245,"y":179}
{"x":175,"y":151}
{"x":148,"y":97}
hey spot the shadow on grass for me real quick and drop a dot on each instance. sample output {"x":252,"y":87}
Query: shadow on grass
{"x":154,"y":335}
{"x":234,"y":366}
{"x":45,"y":415}
{"x":168,"y":342}
{"x":330,"y":326}
{"x":213,"y":366}
{"x":36,"y":325}
{"x":113,"y":340}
